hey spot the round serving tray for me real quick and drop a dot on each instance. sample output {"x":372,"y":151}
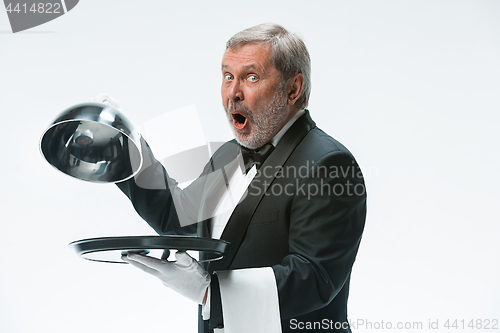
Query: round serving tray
{"x":110,"y":249}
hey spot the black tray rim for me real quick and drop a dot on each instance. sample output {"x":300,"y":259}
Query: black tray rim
{"x":167,"y":242}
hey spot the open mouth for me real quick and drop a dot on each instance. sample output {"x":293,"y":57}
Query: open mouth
{"x":239,"y":120}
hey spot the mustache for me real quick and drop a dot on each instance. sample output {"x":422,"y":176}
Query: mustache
{"x":235,"y":107}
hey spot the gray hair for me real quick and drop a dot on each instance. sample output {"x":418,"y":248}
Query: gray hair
{"x":289,"y":54}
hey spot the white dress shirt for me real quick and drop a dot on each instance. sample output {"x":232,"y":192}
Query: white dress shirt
{"x":238,"y":183}
{"x":249,"y":296}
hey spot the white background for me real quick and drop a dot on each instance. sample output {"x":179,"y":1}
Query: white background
{"x":412,"y":88}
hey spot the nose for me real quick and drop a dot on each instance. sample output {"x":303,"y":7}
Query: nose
{"x":234,"y":92}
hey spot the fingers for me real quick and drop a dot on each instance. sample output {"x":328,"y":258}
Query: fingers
{"x":108,"y":100}
{"x":139,"y":265}
{"x":150,"y":262}
{"x":159,"y":267}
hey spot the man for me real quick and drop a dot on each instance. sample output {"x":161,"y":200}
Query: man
{"x":296,"y":231}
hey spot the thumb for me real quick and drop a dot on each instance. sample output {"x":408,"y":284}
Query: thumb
{"x":183,"y":259}
{"x":108,"y":100}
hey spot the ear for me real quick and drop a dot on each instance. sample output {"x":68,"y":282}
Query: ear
{"x":294,"y":88}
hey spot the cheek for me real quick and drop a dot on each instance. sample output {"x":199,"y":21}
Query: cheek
{"x":223,"y":94}
{"x":253,"y":98}
{"x":260,"y":100}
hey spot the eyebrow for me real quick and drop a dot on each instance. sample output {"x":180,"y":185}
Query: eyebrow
{"x":246,"y":67}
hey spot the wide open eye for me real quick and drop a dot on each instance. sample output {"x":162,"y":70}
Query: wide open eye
{"x":228,"y":77}
{"x":253,"y":78}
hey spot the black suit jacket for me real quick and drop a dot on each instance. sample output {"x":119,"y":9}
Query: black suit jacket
{"x":303,"y":216}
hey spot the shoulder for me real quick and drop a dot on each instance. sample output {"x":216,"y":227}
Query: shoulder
{"x":319,"y":146}
{"x":223,"y":155}
{"x":315,"y":141}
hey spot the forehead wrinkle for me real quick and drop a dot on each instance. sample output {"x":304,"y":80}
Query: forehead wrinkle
{"x":244,"y":67}
{"x":247,"y":57}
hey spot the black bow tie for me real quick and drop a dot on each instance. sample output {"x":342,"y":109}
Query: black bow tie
{"x":257,"y":156}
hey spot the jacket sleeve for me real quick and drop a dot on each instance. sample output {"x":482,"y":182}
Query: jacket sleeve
{"x":326,"y":222}
{"x":159,"y":201}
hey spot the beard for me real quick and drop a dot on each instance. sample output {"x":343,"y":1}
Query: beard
{"x":266,"y":122}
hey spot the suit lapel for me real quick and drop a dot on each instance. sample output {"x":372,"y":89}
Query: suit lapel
{"x":238,"y":223}
{"x":215,"y":181}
